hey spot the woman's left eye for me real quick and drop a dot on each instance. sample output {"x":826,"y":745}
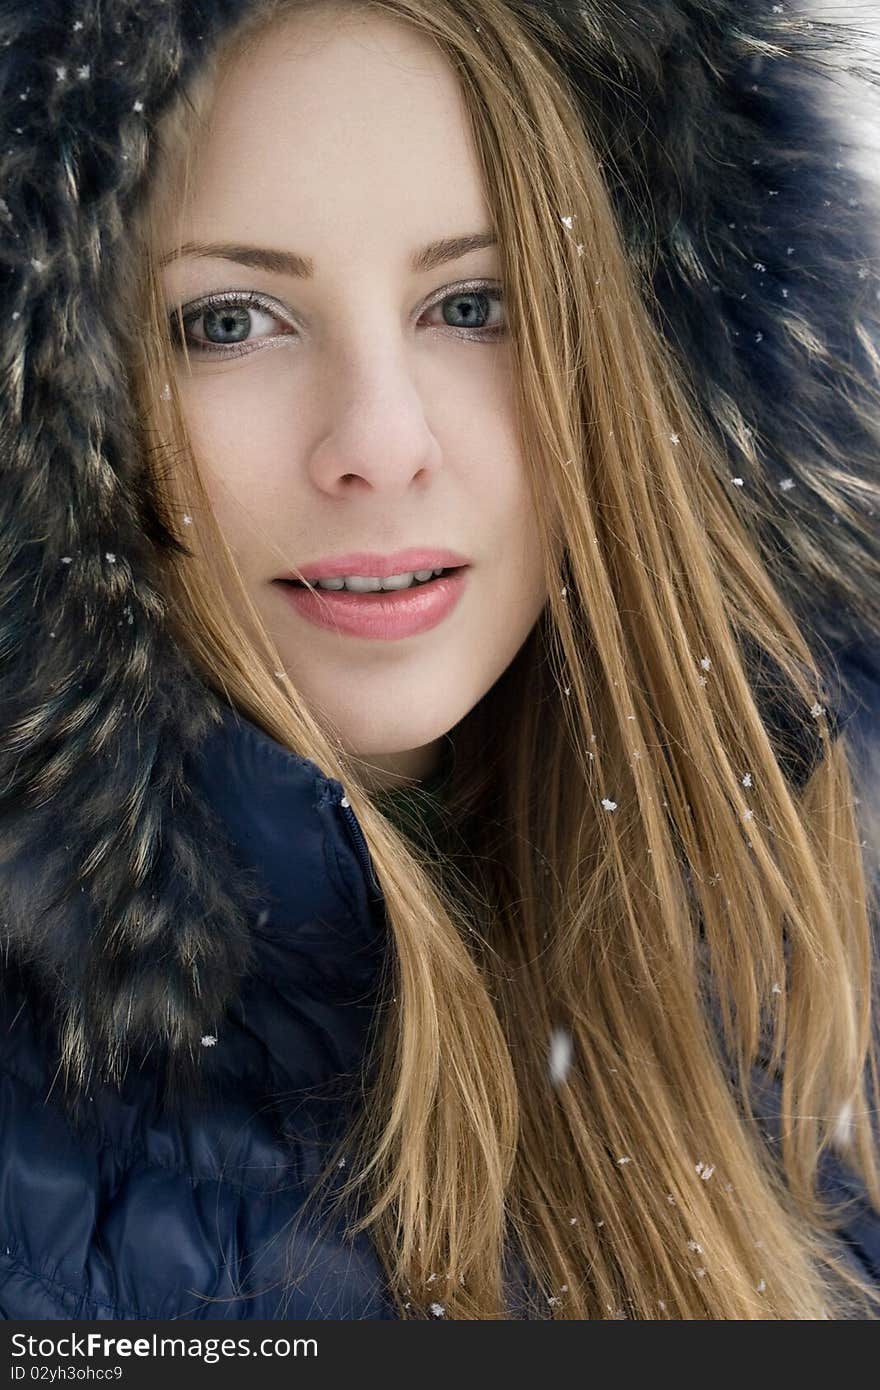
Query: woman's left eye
{"x":228,"y":319}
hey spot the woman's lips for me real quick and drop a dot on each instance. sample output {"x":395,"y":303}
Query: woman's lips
{"x":385,"y":615}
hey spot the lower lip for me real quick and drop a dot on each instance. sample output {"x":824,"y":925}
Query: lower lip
{"x":386,"y":614}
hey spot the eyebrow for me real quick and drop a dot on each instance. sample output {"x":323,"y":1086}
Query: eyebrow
{"x":303,"y":268}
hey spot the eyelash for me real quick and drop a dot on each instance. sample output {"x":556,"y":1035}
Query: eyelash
{"x":178,"y":320}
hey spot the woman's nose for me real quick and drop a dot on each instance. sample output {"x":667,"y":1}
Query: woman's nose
{"x":378,"y":433}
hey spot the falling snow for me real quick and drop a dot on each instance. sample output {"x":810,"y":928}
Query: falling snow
{"x":621,"y":1161}
{"x":747,"y":780}
{"x":705,"y":1170}
{"x":817,"y":710}
{"x":609,"y":805}
{"x":706,"y":663}
{"x":560,"y":1055}
{"x":437,"y":1310}
{"x":209,"y":1040}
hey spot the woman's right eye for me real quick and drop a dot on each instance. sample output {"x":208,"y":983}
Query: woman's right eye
{"x":226,"y":321}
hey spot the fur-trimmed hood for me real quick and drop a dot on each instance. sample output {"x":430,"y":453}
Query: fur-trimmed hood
{"x":123,"y":897}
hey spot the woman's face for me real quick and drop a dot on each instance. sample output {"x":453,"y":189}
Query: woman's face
{"x":363,"y":403}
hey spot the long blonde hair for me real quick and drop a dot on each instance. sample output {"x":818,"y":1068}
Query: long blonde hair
{"x":619,"y":930}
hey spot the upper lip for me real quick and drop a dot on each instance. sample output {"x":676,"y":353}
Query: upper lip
{"x":370,"y":564}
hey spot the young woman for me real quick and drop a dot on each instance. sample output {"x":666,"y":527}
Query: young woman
{"x":501,"y":949}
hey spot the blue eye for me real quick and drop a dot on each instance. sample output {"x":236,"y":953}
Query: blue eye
{"x":484,"y":296}
{"x":228,"y":316}
{"x":229,"y":319}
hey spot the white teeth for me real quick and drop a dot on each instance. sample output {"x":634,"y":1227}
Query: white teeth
{"x":364,"y":584}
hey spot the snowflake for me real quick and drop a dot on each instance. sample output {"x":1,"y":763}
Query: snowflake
{"x":786,"y":485}
{"x":621,"y":1161}
{"x":187,"y":520}
{"x":748,"y":815}
{"x":61,"y":73}
{"x":705,"y":1170}
{"x":761,"y":1287}
{"x":674,"y":439}
{"x":817,"y":710}
{"x":747,"y":780}
{"x":566,"y":222}
{"x":737,"y":482}
{"x":138,"y":106}
{"x":208,"y":1040}
{"x":83,"y":72}
{"x":776,"y":989}
{"x":695,"y":1245}
{"x":437,"y":1310}
{"x":111,"y":557}
{"x":609,"y":805}
{"x":705,"y":663}
{"x":560,"y":1055}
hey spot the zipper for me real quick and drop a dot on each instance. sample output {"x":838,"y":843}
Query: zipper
{"x":360,"y":842}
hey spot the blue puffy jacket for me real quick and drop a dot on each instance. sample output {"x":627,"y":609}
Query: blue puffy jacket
{"x":149,"y":1216}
